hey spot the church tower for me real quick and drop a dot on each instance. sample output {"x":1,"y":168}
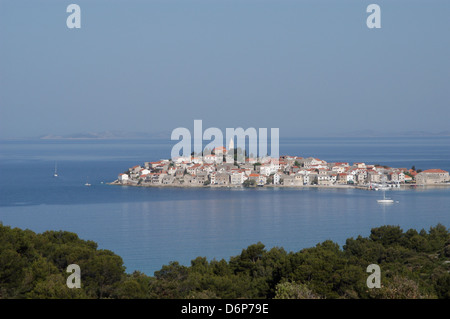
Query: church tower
{"x":231,"y":144}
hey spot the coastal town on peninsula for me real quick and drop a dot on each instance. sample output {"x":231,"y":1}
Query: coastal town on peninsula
{"x":217,"y":170}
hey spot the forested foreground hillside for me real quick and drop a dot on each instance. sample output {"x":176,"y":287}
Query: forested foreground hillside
{"x":413,"y":265}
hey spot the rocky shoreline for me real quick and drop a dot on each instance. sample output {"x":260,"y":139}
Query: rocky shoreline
{"x":401,"y":186}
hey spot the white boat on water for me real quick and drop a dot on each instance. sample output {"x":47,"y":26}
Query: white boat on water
{"x":87,"y":183}
{"x":384,"y":188}
{"x":385,"y":200}
{"x":380,"y":187}
{"x":55,"y":174}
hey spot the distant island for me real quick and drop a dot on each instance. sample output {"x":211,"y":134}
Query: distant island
{"x":217,"y":170}
{"x":107,"y":135}
{"x":117,"y":134}
{"x":374,"y":133}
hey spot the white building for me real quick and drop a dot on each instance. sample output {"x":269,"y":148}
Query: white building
{"x":265,"y":169}
{"x":210,"y":158}
{"x":237,"y":178}
{"x":277,"y":178}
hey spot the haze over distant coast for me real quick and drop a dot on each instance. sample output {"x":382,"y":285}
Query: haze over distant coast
{"x":166,"y":135}
{"x":374,"y":133}
{"x":107,"y":135}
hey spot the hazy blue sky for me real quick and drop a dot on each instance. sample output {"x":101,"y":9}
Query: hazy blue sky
{"x":306,"y":67}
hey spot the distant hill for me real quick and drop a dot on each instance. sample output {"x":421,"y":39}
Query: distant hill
{"x":374,"y":133}
{"x":107,"y":135}
{"x":111,"y":135}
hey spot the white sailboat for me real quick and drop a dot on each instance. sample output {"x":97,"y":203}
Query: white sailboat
{"x":55,"y":174}
{"x":385,"y":200}
{"x":87,"y":183}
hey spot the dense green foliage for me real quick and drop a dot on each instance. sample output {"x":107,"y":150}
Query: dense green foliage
{"x":249,"y":183}
{"x":413,"y":265}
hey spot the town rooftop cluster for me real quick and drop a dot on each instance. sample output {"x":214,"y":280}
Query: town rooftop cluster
{"x":215,"y":170}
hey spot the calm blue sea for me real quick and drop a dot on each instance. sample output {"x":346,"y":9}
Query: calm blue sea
{"x":150,"y":227}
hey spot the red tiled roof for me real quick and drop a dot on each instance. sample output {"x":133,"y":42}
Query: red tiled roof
{"x":434,"y":170}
